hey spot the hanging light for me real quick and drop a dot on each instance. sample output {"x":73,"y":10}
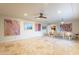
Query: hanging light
{"x":41,"y":14}
{"x":62,"y":22}
{"x":60,"y":12}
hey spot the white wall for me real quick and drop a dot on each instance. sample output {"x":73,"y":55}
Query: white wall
{"x":1,"y":29}
{"x":24,"y":34}
{"x":75,"y":26}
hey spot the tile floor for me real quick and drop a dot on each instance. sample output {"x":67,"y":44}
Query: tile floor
{"x":40,"y":46}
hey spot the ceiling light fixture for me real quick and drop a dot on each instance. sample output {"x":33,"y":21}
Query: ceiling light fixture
{"x":37,"y":18}
{"x":25,"y":14}
{"x":62,"y":22}
{"x":59,"y":12}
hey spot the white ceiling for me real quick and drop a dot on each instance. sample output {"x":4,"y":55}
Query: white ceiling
{"x":69,"y":11}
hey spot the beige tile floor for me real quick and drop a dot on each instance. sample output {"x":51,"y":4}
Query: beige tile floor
{"x":40,"y":46}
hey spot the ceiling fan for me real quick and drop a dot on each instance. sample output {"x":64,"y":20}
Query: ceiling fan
{"x":41,"y":15}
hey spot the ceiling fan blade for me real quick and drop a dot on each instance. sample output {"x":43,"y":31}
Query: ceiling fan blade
{"x":41,"y":16}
